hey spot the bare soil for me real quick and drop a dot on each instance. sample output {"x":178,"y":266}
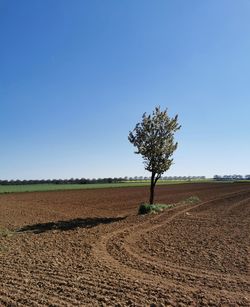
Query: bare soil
{"x":90,"y":248}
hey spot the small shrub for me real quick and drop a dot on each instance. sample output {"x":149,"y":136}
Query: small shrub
{"x":144,"y":209}
{"x":155,"y":208}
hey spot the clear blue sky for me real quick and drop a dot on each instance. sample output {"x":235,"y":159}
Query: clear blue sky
{"x":76,"y":76}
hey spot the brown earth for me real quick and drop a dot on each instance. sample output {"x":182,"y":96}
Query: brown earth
{"x":89,"y":248}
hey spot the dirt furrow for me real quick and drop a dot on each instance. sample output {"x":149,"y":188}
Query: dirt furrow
{"x":6,"y":300}
{"x":131,"y":245}
{"x":76,"y":248}
{"x":18,"y":294}
{"x":131,"y":256}
{"x":64,"y":288}
{"x":92,"y":287}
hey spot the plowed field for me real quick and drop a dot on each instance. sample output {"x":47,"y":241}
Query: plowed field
{"x":90,"y":248}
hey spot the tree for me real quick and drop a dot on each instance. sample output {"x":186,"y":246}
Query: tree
{"x":154,"y":139}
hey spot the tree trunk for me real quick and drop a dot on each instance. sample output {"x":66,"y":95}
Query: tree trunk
{"x":152,"y":189}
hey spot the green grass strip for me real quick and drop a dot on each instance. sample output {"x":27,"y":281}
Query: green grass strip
{"x":59,"y":187}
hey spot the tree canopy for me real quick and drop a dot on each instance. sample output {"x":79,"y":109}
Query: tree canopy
{"x":154,"y":139}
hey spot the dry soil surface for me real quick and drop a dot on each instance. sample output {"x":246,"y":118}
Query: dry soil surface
{"x":90,"y":248}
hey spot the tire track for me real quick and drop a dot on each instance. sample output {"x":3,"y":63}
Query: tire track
{"x":133,"y":238}
{"x":106,"y":266}
{"x":130,"y":262}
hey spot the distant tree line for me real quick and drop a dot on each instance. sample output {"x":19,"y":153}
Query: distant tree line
{"x":142,"y":178}
{"x":121,"y":179}
{"x":231,"y":177}
{"x":95,"y":180}
{"x":61,"y":181}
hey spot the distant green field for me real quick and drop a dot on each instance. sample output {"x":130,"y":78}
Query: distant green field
{"x":58,"y":187}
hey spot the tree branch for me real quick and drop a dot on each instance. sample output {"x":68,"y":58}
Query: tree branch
{"x":157,"y":178}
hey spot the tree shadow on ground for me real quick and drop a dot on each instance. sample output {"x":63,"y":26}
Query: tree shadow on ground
{"x":69,"y":225}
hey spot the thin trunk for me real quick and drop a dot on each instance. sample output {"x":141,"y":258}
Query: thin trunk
{"x":152,"y":189}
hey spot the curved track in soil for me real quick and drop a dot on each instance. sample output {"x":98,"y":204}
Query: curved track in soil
{"x":127,"y":247}
{"x":191,"y":255}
